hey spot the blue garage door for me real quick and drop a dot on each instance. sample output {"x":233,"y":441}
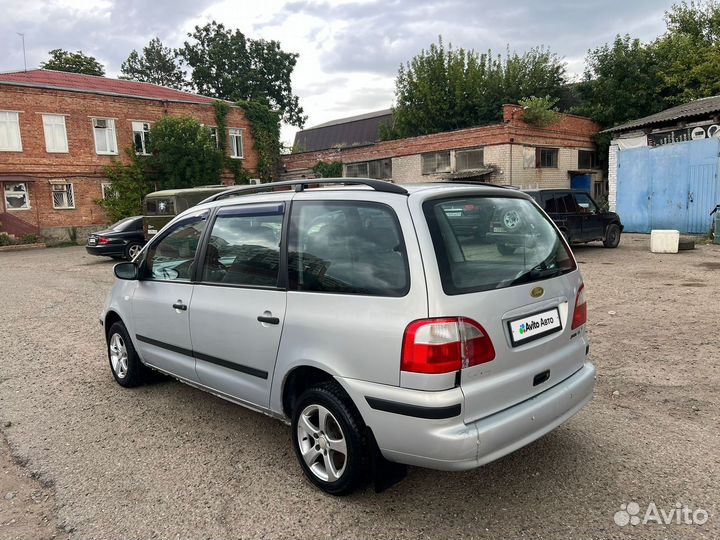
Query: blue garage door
{"x":669,"y":187}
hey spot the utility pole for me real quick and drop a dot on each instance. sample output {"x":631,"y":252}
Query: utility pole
{"x":23,"y":41}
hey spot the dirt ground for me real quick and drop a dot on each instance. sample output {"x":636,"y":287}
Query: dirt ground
{"x":90,"y":459}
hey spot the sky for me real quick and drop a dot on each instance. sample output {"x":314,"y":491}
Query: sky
{"x":350,"y":50}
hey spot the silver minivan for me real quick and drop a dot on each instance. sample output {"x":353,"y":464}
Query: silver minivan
{"x":368,"y":315}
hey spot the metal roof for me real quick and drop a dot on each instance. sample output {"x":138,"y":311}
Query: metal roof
{"x":357,"y":130}
{"x":699,"y":107}
{"x":78,"y":82}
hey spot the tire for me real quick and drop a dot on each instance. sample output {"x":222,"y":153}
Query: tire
{"x":132,"y":249}
{"x":506,"y":249}
{"x":125,"y":364}
{"x":612,"y":236}
{"x":319,"y":444}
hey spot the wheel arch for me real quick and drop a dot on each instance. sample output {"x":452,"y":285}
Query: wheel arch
{"x":111,"y":317}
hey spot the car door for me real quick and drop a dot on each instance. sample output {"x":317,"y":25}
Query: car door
{"x":238,"y":305}
{"x":161,"y":299}
{"x":592,"y":221}
{"x":570,"y":214}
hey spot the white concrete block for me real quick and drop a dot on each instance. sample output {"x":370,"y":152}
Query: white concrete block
{"x":664,"y":241}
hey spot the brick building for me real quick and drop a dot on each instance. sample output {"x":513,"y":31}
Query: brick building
{"x":57,"y":132}
{"x":512,"y":152}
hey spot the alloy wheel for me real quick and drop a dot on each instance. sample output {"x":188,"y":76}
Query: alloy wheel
{"x":118,"y":356}
{"x":134,"y":250}
{"x":322,"y":443}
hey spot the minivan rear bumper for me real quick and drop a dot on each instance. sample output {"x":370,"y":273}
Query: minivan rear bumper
{"x":408,"y":431}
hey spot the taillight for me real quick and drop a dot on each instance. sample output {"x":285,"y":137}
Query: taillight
{"x":580,"y":313}
{"x":445,"y":345}
{"x":103,"y":240}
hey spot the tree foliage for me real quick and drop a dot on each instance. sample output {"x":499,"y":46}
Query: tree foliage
{"x":443,"y":89}
{"x":183,"y":154}
{"x":228,"y":65}
{"x":128,"y":187}
{"x":157,"y":64}
{"x":328,"y":169}
{"x":265,"y":129}
{"x":74,"y":62}
{"x":540,"y":111}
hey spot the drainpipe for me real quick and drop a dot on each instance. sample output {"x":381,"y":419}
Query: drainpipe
{"x":512,"y":139}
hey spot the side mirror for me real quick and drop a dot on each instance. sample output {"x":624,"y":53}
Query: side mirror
{"x":126,"y":270}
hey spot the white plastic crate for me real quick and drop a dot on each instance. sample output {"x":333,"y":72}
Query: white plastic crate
{"x":664,"y":241}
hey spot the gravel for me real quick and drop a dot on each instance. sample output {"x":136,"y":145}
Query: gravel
{"x":166,"y":460}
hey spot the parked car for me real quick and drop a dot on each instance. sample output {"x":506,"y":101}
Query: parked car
{"x":160,"y":207}
{"x":122,"y":240}
{"x":360,"y":316}
{"x":579,"y":217}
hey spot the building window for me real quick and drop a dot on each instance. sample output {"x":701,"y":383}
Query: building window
{"x":380,"y":169}
{"x":104,"y":131}
{"x":63,"y":196}
{"x":587,"y":159}
{"x":106,"y":188}
{"x":55,"y":133}
{"x":236,"y":144}
{"x":10,"y":132}
{"x":16,"y":196}
{"x":437,"y":162}
{"x":141,"y":138}
{"x":466,"y":160}
{"x":546,"y":158}
{"x":214,"y":136}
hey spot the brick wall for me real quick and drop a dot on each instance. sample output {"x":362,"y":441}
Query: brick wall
{"x":569,"y":134}
{"x":612,"y":176}
{"x":81,"y":165}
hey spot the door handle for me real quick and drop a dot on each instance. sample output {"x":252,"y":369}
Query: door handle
{"x":179,"y":305}
{"x":268,"y":320}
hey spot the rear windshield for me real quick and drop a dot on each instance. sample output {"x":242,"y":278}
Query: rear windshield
{"x":484,"y":243}
{"x":127,"y":224}
{"x":160,"y":207}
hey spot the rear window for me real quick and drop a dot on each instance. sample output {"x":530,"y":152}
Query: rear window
{"x":484,"y":243}
{"x":127,"y":224}
{"x":160,"y":207}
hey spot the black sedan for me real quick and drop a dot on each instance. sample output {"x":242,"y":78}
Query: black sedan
{"x":122,"y":240}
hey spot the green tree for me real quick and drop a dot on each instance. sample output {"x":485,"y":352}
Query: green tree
{"x":228,"y":65}
{"x":620,"y":83}
{"x":129,"y":185}
{"x":74,"y":62}
{"x":328,"y":169}
{"x":689,"y":52}
{"x":540,"y":111}
{"x":445,"y":89}
{"x":183,"y":154}
{"x":156,"y":64}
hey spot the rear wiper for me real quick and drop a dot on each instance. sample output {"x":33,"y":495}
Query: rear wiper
{"x":545,"y":272}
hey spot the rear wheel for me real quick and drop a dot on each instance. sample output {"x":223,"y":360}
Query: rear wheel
{"x":612,"y":236}
{"x":132,"y":249}
{"x":328,"y":439}
{"x":127,"y":369}
{"x":506,"y":249}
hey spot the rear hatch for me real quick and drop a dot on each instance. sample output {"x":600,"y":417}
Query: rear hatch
{"x":518,"y":285}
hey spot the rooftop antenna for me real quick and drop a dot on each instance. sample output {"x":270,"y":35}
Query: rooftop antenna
{"x":23,"y":41}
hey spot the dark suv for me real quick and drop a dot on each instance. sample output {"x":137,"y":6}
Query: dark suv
{"x":578,"y":216}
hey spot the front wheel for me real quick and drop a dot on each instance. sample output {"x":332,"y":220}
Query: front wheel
{"x":328,"y":439}
{"x":612,"y":236}
{"x":132,"y":249}
{"x":127,"y":369}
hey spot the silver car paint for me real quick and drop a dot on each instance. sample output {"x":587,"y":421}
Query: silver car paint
{"x":357,"y":340}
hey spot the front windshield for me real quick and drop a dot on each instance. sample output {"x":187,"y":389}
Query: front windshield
{"x":484,"y":243}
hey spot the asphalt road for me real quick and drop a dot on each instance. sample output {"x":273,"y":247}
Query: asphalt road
{"x":167,"y":460}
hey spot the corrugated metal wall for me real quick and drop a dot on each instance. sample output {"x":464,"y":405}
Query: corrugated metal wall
{"x":674,"y":186}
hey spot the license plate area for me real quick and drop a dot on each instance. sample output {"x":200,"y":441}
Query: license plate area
{"x":92,"y":241}
{"x":534,"y":326}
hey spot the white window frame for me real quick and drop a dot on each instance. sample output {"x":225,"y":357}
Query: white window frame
{"x":214,"y":135}
{"x":139,"y":127}
{"x":104,"y":186}
{"x":109,"y":134}
{"x":236,"y":149}
{"x":56,"y":141}
{"x":68,"y":189}
{"x":10,"y":128}
{"x":7,"y":192}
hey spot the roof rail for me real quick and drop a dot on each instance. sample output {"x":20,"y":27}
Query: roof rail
{"x":488,"y":184}
{"x":301,"y":185}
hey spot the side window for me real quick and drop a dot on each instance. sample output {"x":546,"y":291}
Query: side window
{"x":172,"y":258}
{"x":585,"y":203}
{"x":244,"y":247}
{"x":568,"y":201}
{"x":347,"y":248}
{"x":551,"y":206}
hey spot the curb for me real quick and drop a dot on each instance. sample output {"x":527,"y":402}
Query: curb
{"x":22,"y":247}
